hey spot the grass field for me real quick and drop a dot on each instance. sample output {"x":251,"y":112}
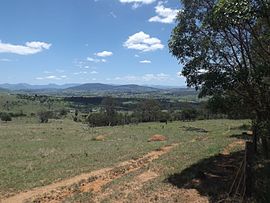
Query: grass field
{"x":33,"y":154}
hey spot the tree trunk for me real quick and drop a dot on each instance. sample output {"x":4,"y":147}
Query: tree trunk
{"x":265,"y":147}
{"x":255,"y":137}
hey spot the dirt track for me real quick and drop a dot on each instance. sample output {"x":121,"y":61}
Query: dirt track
{"x":95,"y":181}
{"x":92,"y":181}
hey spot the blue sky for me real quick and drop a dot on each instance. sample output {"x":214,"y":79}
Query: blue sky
{"x":86,"y":41}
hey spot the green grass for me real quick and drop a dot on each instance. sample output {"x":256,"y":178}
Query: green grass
{"x":33,"y":154}
{"x":12,"y":103}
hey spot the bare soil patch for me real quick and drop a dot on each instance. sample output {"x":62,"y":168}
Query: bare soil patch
{"x":228,"y":149}
{"x":157,"y":138}
{"x":99,"y":138}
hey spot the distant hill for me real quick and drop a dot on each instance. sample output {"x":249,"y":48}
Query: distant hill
{"x":25,"y":86}
{"x":3,"y":90}
{"x":97,"y":87}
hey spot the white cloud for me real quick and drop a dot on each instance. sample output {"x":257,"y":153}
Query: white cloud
{"x":5,"y":60}
{"x":95,"y":60}
{"x":113,"y":14}
{"x":137,"y":3}
{"x":146,"y":61}
{"x":27,"y":49}
{"x":164,"y":15}
{"x":104,"y":54}
{"x":80,"y":73}
{"x":144,"y":78}
{"x":93,"y":72}
{"x":52,"y":77}
{"x":143,"y":42}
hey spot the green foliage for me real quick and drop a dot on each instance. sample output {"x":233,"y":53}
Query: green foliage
{"x":44,"y":116}
{"x":231,"y":106}
{"x":97,"y":119}
{"x":63,"y":112}
{"x":108,"y":104}
{"x":149,"y":110}
{"x":5,"y":117}
{"x":224,"y":46}
{"x":164,"y":117}
{"x":189,"y":114}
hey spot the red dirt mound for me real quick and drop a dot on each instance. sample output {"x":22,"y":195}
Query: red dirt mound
{"x":157,"y":138}
{"x":99,"y":138}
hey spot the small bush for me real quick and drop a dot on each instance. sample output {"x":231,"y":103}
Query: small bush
{"x":44,"y":116}
{"x":5,"y":117}
{"x":62,"y":112}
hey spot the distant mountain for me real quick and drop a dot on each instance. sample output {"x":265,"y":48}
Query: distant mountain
{"x":164,"y":87}
{"x":25,"y":86}
{"x":97,"y":87}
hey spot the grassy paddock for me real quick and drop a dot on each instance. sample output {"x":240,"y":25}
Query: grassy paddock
{"x":33,"y":154}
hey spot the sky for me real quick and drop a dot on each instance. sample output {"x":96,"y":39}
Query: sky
{"x":88,"y":41}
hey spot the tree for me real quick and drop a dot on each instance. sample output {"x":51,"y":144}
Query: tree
{"x":229,"y":105}
{"x":108,"y":104}
{"x":149,"y":110}
{"x":188,"y":114}
{"x":224,"y":46}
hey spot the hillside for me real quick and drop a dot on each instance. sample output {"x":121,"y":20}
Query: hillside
{"x":94,"y":87}
{"x":3,"y":90}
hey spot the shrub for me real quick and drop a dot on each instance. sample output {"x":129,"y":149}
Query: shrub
{"x":5,"y":117}
{"x":44,"y":116}
{"x":63,"y":112}
{"x":97,"y":119}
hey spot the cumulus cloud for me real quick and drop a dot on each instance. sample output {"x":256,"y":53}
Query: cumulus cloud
{"x":104,"y":54}
{"x":143,"y":42}
{"x":27,"y":49}
{"x":137,"y":3}
{"x":146,"y":61}
{"x":164,"y":15}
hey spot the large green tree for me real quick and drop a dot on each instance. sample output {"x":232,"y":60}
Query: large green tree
{"x":224,"y":46}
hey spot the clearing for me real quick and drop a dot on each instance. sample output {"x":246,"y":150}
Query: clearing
{"x":60,"y":161}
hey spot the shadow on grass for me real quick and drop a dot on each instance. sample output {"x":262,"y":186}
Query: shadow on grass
{"x":212,"y":177}
{"x":241,"y":136}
